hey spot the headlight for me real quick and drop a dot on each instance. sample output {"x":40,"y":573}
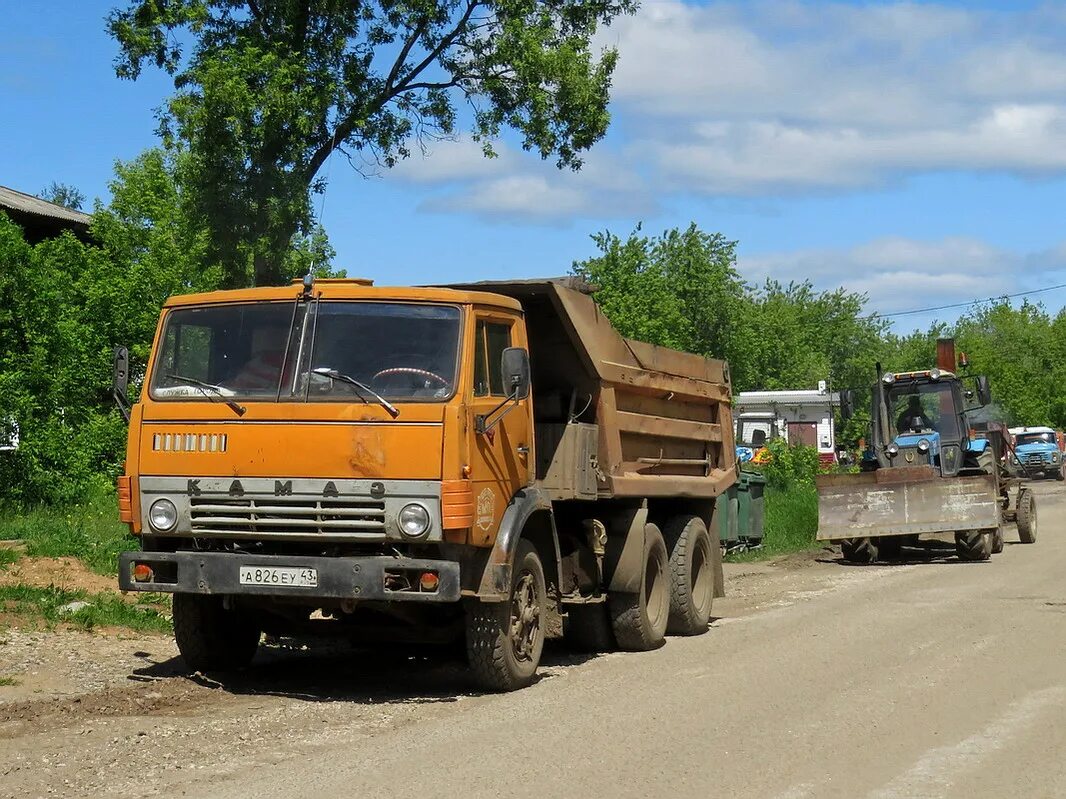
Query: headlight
{"x":923,"y":445}
{"x":934,"y":374}
{"x":1054,"y":456}
{"x":414,"y":520}
{"x":888,"y":378}
{"x":892,"y":450}
{"x":162,"y":515}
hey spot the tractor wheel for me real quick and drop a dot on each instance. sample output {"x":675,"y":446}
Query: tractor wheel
{"x":997,"y":541}
{"x":1026,"y":516}
{"x":890,"y":547}
{"x":973,"y":545}
{"x":639,"y":620}
{"x":691,"y":574}
{"x":858,"y":550}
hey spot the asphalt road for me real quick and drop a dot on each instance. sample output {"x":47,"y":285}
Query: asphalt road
{"x":930,"y":678}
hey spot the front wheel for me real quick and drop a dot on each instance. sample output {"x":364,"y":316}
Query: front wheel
{"x":974,"y":545}
{"x":210,"y":637}
{"x":858,"y":550}
{"x":504,"y":640}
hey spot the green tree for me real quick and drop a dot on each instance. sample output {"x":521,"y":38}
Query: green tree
{"x":680,"y":289}
{"x":797,"y":336}
{"x":271,"y":90}
{"x":62,"y":194}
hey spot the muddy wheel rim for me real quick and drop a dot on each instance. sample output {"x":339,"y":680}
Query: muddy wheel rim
{"x":525,"y":617}
{"x":655,"y":593}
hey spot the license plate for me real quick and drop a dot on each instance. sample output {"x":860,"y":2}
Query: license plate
{"x":279,"y":575}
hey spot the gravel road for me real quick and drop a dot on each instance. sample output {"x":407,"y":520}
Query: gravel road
{"x":930,"y":678}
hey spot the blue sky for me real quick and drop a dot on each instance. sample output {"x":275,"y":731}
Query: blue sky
{"x":915,"y":151}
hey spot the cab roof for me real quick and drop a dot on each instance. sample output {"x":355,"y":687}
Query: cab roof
{"x":1017,"y":431}
{"x":346,"y":289}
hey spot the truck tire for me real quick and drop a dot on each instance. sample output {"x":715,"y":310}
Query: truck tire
{"x":1060,"y":475}
{"x":639,"y":620}
{"x":691,"y":575}
{"x":588,"y":628}
{"x":858,"y":550}
{"x":504,"y":640}
{"x":973,"y":545}
{"x":997,"y":541}
{"x":889,"y":547}
{"x":1026,"y":516}
{"x":212,"y":638}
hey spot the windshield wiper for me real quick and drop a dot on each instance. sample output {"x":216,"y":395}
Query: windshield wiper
{"x":333,"y":374}
{"x":211,"y":391}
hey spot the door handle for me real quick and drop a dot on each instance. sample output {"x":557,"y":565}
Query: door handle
{"x":522,"y":450}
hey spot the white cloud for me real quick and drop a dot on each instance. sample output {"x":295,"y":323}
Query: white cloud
{"x":901,"y":274}
{"x":765,"y":98}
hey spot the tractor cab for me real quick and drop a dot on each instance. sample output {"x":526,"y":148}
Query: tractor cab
{"x":920,"y":419}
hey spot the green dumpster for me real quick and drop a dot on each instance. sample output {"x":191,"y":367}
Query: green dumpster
{"x":750,"y":508}
{"x":725,"y":511}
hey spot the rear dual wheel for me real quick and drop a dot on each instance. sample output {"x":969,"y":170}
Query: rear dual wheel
{"x":691,"y":575}
{"x":639,"y":619}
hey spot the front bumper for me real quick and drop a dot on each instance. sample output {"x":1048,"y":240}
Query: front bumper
{"x":362,"y":578}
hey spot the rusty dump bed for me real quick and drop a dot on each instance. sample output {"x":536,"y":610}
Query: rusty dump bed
{"x":911,"y":500}
{"x":657,"y":421}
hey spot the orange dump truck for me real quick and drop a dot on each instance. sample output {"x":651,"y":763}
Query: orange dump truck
{"x":489,"y":462}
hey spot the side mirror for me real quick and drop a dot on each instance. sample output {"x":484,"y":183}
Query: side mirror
{"x":847,"y":404}
{"x":514,"y":365}
{"x":984,"y":390}
{"x":120,"y":380}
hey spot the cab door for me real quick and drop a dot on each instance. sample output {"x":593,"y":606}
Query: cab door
{"x":502,"y":457}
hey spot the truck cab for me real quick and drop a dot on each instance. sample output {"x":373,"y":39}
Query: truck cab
{"x":1036,"y":452}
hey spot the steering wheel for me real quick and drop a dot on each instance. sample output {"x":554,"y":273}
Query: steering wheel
{"x":410,"y":370}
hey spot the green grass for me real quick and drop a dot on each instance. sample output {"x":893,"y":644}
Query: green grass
{"x":104,"y":610}
{"x":789,"y":524}
{"x":89,"y":531}
{"x":8,"y":556}
{"x":8,"y":682}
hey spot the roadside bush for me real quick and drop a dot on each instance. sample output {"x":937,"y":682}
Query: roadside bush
{"x":791,"y":466}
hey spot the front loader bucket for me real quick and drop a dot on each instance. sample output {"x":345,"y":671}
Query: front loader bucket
{"x":909,"y":500}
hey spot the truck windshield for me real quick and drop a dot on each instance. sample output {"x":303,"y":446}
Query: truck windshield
{"x":1035,"y":438}
{"x":916,"y":408}
{"x":268,"y":351}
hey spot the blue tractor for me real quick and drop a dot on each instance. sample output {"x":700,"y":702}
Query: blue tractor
{"x":928,"y":472}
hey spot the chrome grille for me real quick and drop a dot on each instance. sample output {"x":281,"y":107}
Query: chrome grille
{"x":291,"y":518}
{"x":1036,"y":458}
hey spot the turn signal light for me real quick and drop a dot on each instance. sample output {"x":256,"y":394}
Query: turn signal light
{"x":142,"y":573}
{"x":429,"y":581}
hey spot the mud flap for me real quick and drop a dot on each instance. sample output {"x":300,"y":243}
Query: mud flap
{"x":904,"y":501}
